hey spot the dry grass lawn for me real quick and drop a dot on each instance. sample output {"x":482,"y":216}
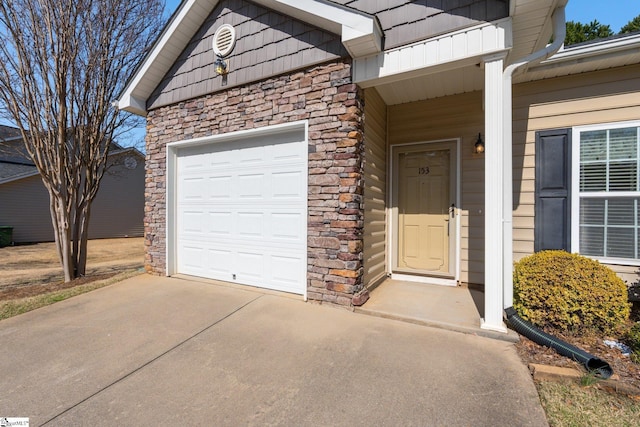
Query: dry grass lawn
{"x":29,"y":270}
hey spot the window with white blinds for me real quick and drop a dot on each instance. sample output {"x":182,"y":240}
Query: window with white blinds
{"x":609,"y":191}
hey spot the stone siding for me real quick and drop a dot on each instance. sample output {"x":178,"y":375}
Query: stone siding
{"x":326,"y":97}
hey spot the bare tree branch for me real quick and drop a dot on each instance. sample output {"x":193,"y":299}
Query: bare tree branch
{"x":62,"y":63}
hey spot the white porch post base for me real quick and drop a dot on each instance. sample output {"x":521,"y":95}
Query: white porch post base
{"x":490,"y":327}
{"x":494,"y":189}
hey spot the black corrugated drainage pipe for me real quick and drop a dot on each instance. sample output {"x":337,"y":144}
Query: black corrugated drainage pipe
{"x":594,"y":365}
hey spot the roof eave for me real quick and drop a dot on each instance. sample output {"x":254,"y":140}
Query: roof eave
{"x":18,"y":177}
{"x":616,"y":52}
{"x":567,"y":54}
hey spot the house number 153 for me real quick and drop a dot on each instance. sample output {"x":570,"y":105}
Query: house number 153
{"x":423,"y":170}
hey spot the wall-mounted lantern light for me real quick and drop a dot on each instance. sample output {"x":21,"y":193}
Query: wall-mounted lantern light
{"x":221,"y":66}
{"x":478,"y":147}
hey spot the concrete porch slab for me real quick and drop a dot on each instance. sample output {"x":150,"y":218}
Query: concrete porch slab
{"x":452,"y":308}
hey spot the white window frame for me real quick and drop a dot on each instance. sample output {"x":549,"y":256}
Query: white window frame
{"x":575,"y":188}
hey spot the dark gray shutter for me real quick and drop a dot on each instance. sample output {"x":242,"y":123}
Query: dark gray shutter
{"x":553,"y":190}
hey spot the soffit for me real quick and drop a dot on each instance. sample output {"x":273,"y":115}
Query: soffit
{"x":532,"y":25}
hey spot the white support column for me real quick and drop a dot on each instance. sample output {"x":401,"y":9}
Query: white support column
{"x":494,"y":189}
{"x":507,"y":197}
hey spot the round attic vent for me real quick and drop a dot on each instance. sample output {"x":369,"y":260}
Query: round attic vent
{"x":224,"y":40}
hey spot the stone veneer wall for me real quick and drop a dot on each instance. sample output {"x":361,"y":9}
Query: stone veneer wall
{"x":325,"y":96}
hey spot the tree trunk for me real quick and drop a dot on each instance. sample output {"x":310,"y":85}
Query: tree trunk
{"x":63,"y":241}
{"x":83,"y":236}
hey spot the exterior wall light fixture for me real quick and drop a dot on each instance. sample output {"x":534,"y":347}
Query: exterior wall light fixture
{"x":478,"y":147}
{"x":221,"y":66}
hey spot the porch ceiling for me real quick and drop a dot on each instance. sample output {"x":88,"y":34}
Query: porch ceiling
{"x":451,"y":82}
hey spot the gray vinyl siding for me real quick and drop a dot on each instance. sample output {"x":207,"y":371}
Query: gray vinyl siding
{"x":117,"y":211}
{"x":24,"y":205}
{"x":458,"y":116}
{"x":375,"y":188}
{"x":584,"y":99}
{"x":405,"y":21}
{"x":268,"y":44}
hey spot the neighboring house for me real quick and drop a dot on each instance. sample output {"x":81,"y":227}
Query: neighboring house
{"x":117,"y":210}
{"x":321,"y":147}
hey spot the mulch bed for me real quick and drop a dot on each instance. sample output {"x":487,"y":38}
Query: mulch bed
{"x":627,"y":371}
{"x":26,"y":291}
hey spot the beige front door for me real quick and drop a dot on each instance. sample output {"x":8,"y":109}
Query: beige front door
{"x":426,"y":209}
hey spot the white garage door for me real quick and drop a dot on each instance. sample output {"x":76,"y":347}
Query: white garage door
{"x":241,"y":211}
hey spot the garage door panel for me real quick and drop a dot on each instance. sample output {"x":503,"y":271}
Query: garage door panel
{"x":250,"y":266}
{"x":251,"y":224}
{"x":194,"y":189}
{"x":285,"y":269}
{"x":288,"y":151}
{"x":220,"y":262}
{"x":193,"y":163}
{"x":193,"y":222}
{"x":286,"y":185}
{"x":219,"y":187}
{"x":220,"y":159}
{"x":286,"y":226}
{"x":220,"y":223}
{"x":251,"y":186}
{"x":242,"y":211}
{"x":251,"y":156}
{"x":194,"y":258}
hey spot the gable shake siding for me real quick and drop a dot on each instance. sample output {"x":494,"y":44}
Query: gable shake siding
{"x":267,"y":44}
{"x":333,"y":106}
{"x":405,"y":21}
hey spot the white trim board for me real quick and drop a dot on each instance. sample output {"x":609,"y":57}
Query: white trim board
{"x":450,"y":51}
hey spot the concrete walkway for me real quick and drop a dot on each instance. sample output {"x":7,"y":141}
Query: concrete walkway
{"x":161,"y":351}
{"x":454,"y":308}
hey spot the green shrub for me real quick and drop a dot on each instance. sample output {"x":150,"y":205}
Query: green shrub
{"x":569,"y":292}
{"x":633,"y":341}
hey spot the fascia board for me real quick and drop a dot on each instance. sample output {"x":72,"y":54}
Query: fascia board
{"x":595,"y":49}
{"x":19,"y":177}
{"x":135,"y":94}
{"x":567,"y":57}
{"x":361,"y":33}
{"x":126,"y":150}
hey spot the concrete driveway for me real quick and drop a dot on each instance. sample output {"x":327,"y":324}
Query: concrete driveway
{"x":166,"y":351}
